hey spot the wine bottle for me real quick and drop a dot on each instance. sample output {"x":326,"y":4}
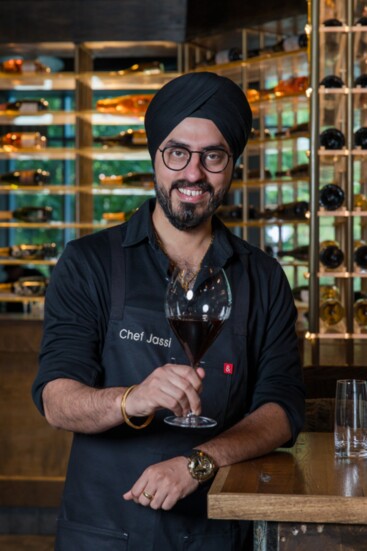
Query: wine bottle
{"x":26,"y":177}
{"x":332,"y":41}
{"x":30,"y":286}
{"x":131,"y":178}
{"x":23,"y":140}
{"x":118,"y":216}
{"x":297,"y":170}
{"x":252,"y":95}
{"x":287,"y":44}
{"x":332,"y":81}
{"x":230,"y":212}
{"x":225,"y":56}
{"x":295,"y":129}
{"x":6,"y":287}
{"x":360,"y":312}
{"x":296,"y":210}
{"x":299,"y":128}
{"x":135,"y":104}
{"x":292,"y":85}
{"x":253,"y":173}
{"x":255,"y":133}
{"x":28,"y":214}
{"x":330,"y":100}
{"x":361,"y":81}
{"x":329,"y":291}
{"x":332,"y":22}
{"x":332,"y":138}
{"x":330,"y":254}
{"x":331,"y":311}
{"x":301,"y":293}
{"x":25,"y":105}
{"x":298,"y":253}
{"x":331,"y":197}
{"x":360,"y":201}
{"x":30,"y":252}
{"x":360,"y":138}
{"x":291,"y":43}
{"x":145,"y":67}
{"x":360,"y":254}
{"x":114,"y":216}
{"x":23,"y":66}
{"x":362,"y":21}
{"x":126,"y":138}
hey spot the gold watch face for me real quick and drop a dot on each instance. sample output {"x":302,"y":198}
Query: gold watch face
{"x":201,"y":466}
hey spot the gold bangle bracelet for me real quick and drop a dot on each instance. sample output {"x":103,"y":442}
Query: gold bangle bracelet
{"x":126,"y":418}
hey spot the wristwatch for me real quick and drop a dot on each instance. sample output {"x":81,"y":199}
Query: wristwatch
{"x":201,"y":466}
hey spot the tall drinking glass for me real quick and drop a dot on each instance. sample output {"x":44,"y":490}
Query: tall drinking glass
{"x":350,"y":432}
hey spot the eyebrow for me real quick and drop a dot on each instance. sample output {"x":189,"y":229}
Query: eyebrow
{"x":174,"y":143}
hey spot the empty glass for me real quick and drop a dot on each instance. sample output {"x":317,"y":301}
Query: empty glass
{"x":350,"y":431}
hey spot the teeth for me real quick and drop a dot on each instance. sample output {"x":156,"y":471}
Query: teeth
{"x":190,"y":192}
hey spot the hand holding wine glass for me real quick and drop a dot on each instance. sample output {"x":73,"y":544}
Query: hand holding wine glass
{"x":196,"y":306}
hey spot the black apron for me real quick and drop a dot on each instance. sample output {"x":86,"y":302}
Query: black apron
{"x":94,"y":516}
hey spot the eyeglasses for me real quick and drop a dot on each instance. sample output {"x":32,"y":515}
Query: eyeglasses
{"x":178,"y":157}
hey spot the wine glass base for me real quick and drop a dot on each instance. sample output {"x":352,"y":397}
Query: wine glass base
{"x":191,"y":421}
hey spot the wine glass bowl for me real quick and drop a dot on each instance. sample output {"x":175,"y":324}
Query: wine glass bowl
{"x":196,"y":306}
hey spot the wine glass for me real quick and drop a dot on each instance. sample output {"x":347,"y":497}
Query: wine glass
{"x":196,"y":306}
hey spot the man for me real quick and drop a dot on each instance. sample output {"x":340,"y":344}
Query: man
{"x":106,"y":366}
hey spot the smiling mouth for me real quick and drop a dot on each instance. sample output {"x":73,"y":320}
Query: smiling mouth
{"x":191,"y":192}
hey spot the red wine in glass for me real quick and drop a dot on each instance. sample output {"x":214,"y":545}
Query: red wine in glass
{"x":195,"y":335}
{"x":196,"y":307}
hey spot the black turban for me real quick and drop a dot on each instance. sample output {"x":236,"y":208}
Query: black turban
{"x":204,"y":95}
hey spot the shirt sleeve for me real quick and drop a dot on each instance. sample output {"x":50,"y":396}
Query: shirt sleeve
{"x":279,"y":376}
{"x":71,"y":343}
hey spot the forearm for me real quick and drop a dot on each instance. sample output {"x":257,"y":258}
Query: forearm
{"x":70,"y":405}
{"x":73,"y":406}
{"x":257,"y":434}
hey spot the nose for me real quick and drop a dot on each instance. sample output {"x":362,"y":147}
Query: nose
{"x":194,"y":170}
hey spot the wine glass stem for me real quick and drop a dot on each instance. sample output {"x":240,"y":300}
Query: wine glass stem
{"x":194,"y":366}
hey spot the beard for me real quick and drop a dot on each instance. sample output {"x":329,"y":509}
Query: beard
{"x":187,"y":215}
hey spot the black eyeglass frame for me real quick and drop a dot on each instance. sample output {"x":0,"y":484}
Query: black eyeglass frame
{"x":200,"y":153}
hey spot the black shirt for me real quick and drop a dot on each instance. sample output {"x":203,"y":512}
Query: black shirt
{"x":78,"y":305}
{"x":105,"y":326}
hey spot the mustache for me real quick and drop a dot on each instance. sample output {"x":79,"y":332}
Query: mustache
{"x":203,"y":185}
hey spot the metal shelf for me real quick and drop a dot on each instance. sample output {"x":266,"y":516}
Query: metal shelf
{"x":47,"y":154}
{"x":17,"y":262}
{"x":115,"y":81}
{"x":10,"y":297}
{"x":41,"y":118}
{"x":40,"y":190}
{"x":341,"y":63}
{"x":115,"y":153}
{"x":111,"y":119}
{"x":38,"y":81}
{"x":58,"y":225}
{"x":332,"y":336}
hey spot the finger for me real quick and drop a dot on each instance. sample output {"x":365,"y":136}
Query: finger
{"x":158,"y":499}
{"x":201,"y":372}
{"x":174,"y":387}
{"x":188,"y":382}
{"x":146,"y":497}
{"x":193,"y":376}
{"x":180,"y":396}
{"x":168,"y":503}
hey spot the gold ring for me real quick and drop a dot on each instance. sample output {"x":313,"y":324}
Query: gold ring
{"x":148,"y":496}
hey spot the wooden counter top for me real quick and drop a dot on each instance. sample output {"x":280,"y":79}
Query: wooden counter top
{"x":305,"y":483}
